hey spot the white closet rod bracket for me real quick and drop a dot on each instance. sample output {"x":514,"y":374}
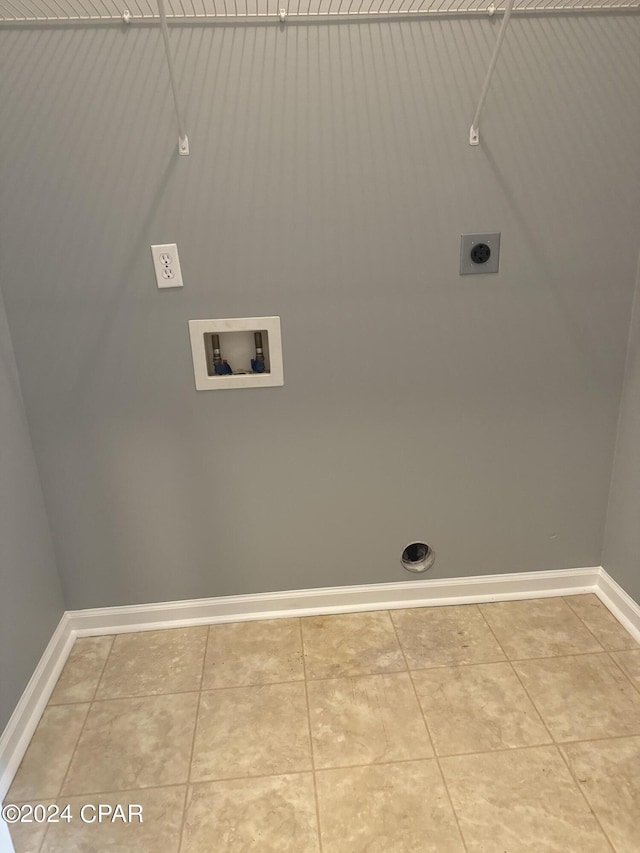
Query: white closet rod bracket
{"x":474,"y":132}
{"x":183,"y":139}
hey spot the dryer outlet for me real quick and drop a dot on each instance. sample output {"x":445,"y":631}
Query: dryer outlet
{"x":479,"y":253}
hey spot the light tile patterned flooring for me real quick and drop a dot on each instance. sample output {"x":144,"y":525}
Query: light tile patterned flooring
{"x":511,"y":726}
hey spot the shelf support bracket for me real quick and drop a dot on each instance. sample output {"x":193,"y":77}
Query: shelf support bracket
{"x":183,"y":140}
{"x":474,"y":132}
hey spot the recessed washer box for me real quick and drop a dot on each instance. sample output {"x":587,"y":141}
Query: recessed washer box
{"x":236,"y":338}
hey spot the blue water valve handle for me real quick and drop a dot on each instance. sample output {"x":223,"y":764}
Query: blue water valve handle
{"x":223,"y":369}
{"x":257,"y":365}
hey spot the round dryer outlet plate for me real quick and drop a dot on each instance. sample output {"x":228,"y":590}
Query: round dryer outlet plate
{"x":479,"y":253}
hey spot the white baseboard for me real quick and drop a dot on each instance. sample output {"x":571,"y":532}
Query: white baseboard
{"x":20,"y":728}
{"x":342,"y":599}
{"x":6,"y":845}
{"x":620,"y":603}
{"x":274,"y":605}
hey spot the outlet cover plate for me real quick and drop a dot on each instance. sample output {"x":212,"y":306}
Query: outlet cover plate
{"x":166,"y":264}
{"x":467,"y":244}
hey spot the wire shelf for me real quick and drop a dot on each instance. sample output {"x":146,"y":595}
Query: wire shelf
{"x":146,"y":11}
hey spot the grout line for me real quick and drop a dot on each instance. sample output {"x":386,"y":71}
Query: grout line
{"x":313,"y":764}
{"x":506,"y":659}
{"x":95,"y":692}
{"x":584,"y":796}
{"x":610,"y":651}
{"x":348,"y":675}
{"x":191,"y":784}
{"x":593,"y":633}
{"x":111,"y":793}
{"x":325,"y":769}
{"x":554,"y":743}
{"x":134,"y":698}
{"x":428,"y":757}
{"x":435,"y":667}
{"x":515,"y":672}
{"x":521,"y":682}
{"x":587,"y":626}
{"x":121,"y":698}
{"x":253,"y":684}
{"x":193,"y":740}
{"x":82,"y":728}
{"x":102,"y":671}
{"x":597,"y":739}
{"x":624,"y":672}
{"x":69,"y":662}
{"x":587,"y":654}
{"x":179,"y":692}
{"x":600,"y":651}
{"x":426,"y":725}
{"x":91,"y":703}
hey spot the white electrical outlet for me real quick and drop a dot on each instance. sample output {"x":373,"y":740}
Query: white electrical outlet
{"x":167,"y":265}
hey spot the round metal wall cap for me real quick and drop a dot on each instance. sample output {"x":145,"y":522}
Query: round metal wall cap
{"x":417,"y":557}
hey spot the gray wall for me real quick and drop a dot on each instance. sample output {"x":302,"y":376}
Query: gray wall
{"x":621,"y":556}
{"x":30,"y":593}
{"x":329,"y":182}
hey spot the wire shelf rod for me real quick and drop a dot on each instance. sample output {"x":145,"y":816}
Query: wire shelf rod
{"x":92,"y":12}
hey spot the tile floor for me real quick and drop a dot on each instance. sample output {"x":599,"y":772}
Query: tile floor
{"x":512,"y":726}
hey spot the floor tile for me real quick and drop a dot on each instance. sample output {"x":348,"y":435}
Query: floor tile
{"x":273,"y":813}
{"x":601,"y":622}
{"x":583,"y":697}
{"x":252,"y":731}
{"x":81,"y":674}
{"x":134,"y":743}
{"x":478,"y":708}
{"x":608,"y":772}
{"x":247,"y":653}
{"x":630,"y":663}
{"x":444,"y":636}
{"x":152,"y":662}
{"x":542,"y":627}
{"x":46,"y":760}
{"x":379,"y":788}
{"x":364,"y":720}
{"x":28,"y":837}
{"x":352,"y":644}
{"x":386,"y":808}
{"x":521,"y":800}
{"x":162,"y":810}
